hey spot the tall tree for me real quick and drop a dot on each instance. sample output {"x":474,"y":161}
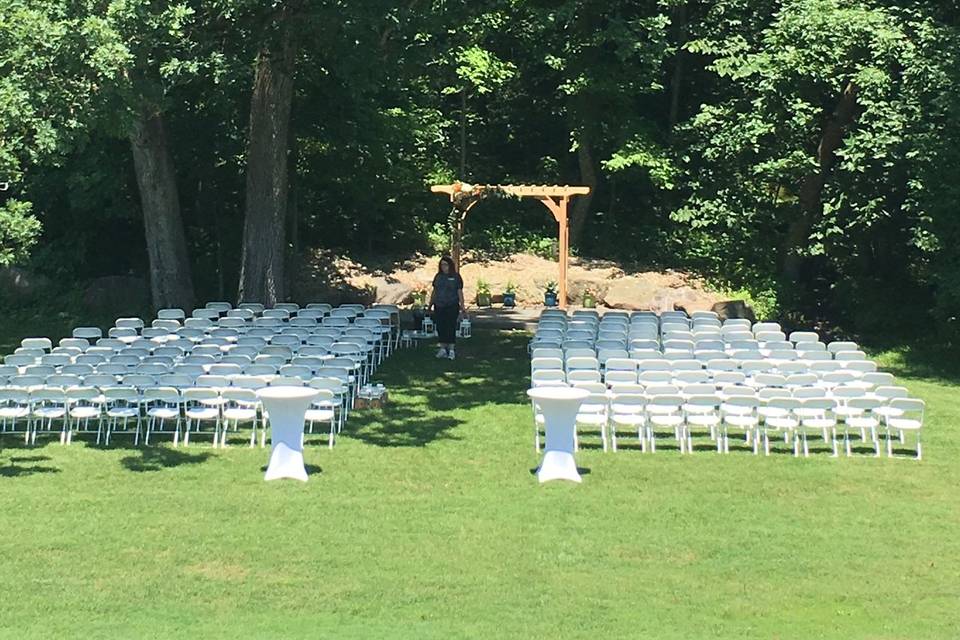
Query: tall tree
{"x":268,"y":145}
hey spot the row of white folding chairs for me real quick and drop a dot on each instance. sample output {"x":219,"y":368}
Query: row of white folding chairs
{"x":686,"y":363}
{"x":183,"y":346}
{"x":688,"y":340}
{"x":47,"y":409}
{"x":756,"y":413}
{"x":203,"y":353}
{"x":80,"y":346}
{"x":826,"y":380}
{"x":607,"y":351}
{"x":190,"y":375}
{"x":262,"y":365}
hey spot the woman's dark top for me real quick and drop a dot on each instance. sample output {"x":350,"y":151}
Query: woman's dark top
{"x":446,"y":289}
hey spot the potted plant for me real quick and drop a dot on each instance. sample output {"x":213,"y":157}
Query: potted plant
{"x":550,"y":294}
{"x":510,"y":294}
{"x":589,"y":299}
{"x":419,"y":310}
{"x":483,"y":293}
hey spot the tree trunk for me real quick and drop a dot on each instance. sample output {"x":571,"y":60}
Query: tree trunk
{"x":811,"y":191}
{"x":263,"y":254}
{"x":676,"y":82}
{"x":588,"y":177}
{"x":170,"y":281}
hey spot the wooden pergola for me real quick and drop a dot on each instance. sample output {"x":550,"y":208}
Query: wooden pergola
{"x":554,"y":198}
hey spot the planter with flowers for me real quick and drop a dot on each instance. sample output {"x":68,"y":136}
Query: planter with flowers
{"x":483,"y":293}
{"x":550,"y":294}
{"x":510,"y":295}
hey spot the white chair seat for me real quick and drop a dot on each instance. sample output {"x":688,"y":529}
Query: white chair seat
{"x":49,"y":412}
{"x":741,"y":421}
{"x":591,"y":418}
{"x":630,"y":419}
{"x":123,"y":412}
{"x":84,"y":413}
{"x":202,"y":413}
{"x":888,"y":412}
{"x":819,"y":423}
{"x":14,"y":412}
{"x":867,"y":422}
{"x":239,"y":414}
{"x":319,"y":415}
{"x":703,"y":420}
{"x":904,"y":424}
{"x":781,"y":422}
{"x":666,"y":420}
{"x":163,"y":413}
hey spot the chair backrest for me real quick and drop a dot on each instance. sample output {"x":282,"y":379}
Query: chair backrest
{"x":162,"y":395}
{"x":168,"y":324}
{"x":541,"y":376}
{"x":838,"y":346}
{"x":652,"y":377}
{"x":546,"y":363}
{"x":582,"y":362}
{"x":728,"y":378}
{"x":63,"y":380}
{"x":212,"y":381}
{"x":88,"y":333}
{"x":248,"y":382}
{"x":179,"y":380}
{"x":40,"y":369}
{"x":577,"y":376}
{"x":171,"y":314}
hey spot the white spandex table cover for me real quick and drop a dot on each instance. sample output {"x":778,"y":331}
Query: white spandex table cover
{"x":287,"y":407}
{"x":559,"y":406}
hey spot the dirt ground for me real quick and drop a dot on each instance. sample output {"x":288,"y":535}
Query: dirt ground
{"x":610,"y":284}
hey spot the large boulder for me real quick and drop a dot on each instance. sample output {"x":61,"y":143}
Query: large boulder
{"x":18,"y":284}
{"x":728,"y":309}
{"x":393,"y":293}
{"x":578,"y":286}
{"x":630,"y":293}
{"x":117,"y":296}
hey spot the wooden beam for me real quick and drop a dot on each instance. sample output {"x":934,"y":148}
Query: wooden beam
{"x":517,"y":190}
{"x":564,"y":251}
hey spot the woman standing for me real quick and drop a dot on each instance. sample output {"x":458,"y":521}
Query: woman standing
{"x":447,"y":303}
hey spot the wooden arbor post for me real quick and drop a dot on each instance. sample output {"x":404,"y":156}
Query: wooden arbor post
{"x":554,"y":198}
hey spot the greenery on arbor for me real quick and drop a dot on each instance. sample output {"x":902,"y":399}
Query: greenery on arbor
{"x":798,"y":149}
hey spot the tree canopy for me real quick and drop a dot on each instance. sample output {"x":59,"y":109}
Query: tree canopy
{"x":797,"y":149}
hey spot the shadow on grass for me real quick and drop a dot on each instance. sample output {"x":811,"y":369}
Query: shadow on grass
{"x":426,"y":392}
{"x":920,"y":361}
{"x":311,"y":469}
{"x":160,"y":458}
{"x":16,"y":468}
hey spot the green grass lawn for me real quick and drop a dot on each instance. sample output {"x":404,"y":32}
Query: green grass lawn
{"x":426,"y":522}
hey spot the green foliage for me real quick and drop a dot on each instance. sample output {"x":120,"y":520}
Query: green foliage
{"x":501,"y":239}
{"x":698,"y":126}
{"x":19,"y":230}
{"x":483,"y":287}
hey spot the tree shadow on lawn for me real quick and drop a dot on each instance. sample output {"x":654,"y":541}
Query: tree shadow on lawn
{"x":160,"y":457}
{"x":491,"y":369}
{"x":15,"y":468}
{"x":920,"y":360}
{"x":401,"y":426}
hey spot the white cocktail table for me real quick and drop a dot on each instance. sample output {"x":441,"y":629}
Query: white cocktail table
{"x":559,"y":406}
{"x":286,"y":407}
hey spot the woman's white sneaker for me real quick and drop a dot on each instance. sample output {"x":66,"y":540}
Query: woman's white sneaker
{"x":442,"y":353}
{"x":452,"y":354}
